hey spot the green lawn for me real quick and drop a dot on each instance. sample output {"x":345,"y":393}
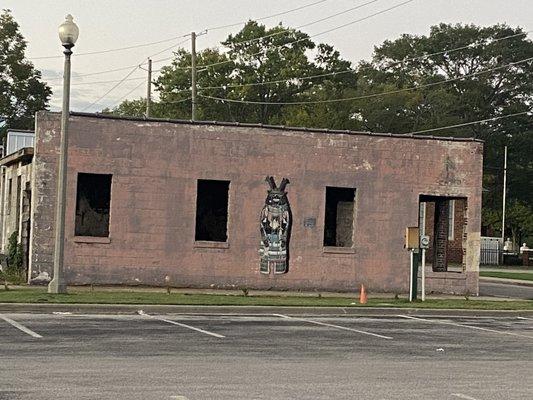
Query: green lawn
{"x":525,"y":276}
{"x":77,"y":296}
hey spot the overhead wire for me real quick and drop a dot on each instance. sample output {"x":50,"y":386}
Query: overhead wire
{"x":177,"y":37}
{"x":306,"y":24}
{"x":110,"y":90}
{"x":118,"y":69}
{"x":365,"y":96}
{"x":203,"y":67}
{"x":114,"y":50}
{"x":470,"y":123}
{"x":351,"y":71}
{"x":268,"y":16}
{"x":117,"y":103}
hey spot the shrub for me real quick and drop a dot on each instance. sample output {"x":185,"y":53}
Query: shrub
{"x":14,"y":255}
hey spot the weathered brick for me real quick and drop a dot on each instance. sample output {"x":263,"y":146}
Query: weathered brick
{"x":155,"y":166}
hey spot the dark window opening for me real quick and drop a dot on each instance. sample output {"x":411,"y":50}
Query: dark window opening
{"x":17,"y":205}
{"x":9,"y":194}
{"x":92,"y":205}
{"x":338,"y":223}
{"x":212,"y":210}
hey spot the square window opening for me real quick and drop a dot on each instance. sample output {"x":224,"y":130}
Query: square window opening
{"x":93,"y":198}
{"x":339,"y":217}
{"x":212,"y":210}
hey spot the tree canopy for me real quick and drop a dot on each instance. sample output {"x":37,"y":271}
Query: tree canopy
{"x":456,"y":74}
{"x":22,"y":92}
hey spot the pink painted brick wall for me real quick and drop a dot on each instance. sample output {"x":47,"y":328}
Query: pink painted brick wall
{"x":155,"y":166}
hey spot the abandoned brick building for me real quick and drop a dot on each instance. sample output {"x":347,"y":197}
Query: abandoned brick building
{"x":237,"y":205}
{"x":15,"y":192}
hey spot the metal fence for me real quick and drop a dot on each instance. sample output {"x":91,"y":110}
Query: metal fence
{"x":491,"y":250}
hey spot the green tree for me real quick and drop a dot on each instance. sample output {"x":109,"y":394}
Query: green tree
{"x":482,"y":96}
{"x":481,"y":89}
{"x":22,"y":92}
{"x":254,"y":58}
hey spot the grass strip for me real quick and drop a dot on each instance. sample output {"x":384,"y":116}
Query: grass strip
{"x":156,"y":298}
{"x":523,"y":276}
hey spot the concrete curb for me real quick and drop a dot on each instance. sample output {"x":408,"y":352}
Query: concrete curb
{"x":503,"y":281}
{"x":251,"y":310}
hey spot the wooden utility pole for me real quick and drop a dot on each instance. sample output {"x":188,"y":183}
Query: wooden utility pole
{"x":193,"y":75}
{"x":504,"y":192}
{"x":149,"y":89}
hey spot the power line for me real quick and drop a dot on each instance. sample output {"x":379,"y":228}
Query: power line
{"x":126,"y":95}
{"x":110,"y":90}
{"x":306,"y":24}
{"x":365,"y":96}
{"x":469,"y":123}
{"x":177,"y":37}
{"x":354,"y":71}
{"x":122,"y":68}
{"x":136,"y":46}
{"x":103,"y":82}
{"x":315,"y":35}
{"x":268,"y":16}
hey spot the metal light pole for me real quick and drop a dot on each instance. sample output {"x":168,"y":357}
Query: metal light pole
{"x":68,"y":34}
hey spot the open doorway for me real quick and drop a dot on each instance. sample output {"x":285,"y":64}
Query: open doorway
{"x":444,"y":220}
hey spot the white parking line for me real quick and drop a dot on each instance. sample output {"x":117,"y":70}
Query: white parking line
{"x":20,"y":327}
{"x":332,"y":326}
{"x":465,"y":326}
{"x":182,"y":325}
{"x":463,"y":396}
{"x":524,"y":318}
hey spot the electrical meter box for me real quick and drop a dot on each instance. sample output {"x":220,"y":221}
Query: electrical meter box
{"x":424,"y":242}
{"x":412,"y":237}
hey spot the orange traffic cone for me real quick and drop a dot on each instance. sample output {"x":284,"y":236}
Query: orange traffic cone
{"x":362,"y":295}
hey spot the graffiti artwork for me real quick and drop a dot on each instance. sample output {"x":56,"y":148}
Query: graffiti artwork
{"x":275,"y":229}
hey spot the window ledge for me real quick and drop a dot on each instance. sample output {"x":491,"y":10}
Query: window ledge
{"x":92,"y":239}
{"x":338,"y":250}
{"x":205,"y":244}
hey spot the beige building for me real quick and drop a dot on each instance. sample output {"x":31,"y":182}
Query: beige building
{"x":15,"y":190}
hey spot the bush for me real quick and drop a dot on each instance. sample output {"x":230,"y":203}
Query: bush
{"x":14,"y":257}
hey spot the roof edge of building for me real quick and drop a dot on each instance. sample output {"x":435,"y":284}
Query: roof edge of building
{"x":25,"y":153}
{"x":21,"y":130}
{"x":264,"y":126}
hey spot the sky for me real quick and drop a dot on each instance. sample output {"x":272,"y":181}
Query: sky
{"x":112,"y":24}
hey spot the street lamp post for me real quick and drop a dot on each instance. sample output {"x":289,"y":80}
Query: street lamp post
{"x":68,"y":34}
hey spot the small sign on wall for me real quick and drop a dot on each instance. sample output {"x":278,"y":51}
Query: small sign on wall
{"x":309,"y":222}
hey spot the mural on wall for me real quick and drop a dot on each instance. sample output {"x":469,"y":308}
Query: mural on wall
{"x":275,"y":229}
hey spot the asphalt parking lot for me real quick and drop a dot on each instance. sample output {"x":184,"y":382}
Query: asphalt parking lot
{"x":278,"y":356}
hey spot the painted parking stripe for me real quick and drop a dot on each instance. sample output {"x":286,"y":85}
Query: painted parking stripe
{"x":332,"y":326}
{"x":20,"y":327}
{"x":526,"y":319}
{"x":182,"y":325}
{"x":465,"y":326}
{"x":463,"y":396}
